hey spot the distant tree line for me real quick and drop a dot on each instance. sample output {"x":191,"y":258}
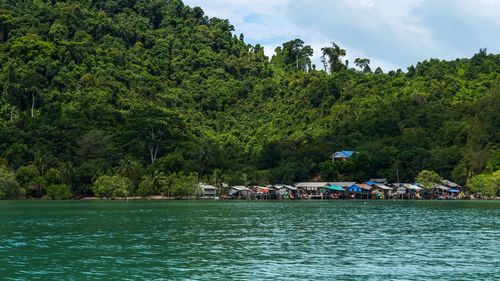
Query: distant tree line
{"x":109,"y":98}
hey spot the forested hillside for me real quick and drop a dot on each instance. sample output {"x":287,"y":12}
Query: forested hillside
{"x":155,"y":93}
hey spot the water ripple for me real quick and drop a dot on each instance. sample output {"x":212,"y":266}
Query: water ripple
{"x":250,"y":240}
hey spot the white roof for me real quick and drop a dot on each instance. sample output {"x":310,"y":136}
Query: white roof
{"x":239,"y":187}
{"x":207,"y":186}
{"x":450,"y":183}
{"x":280,"y":186}
{"x":383,"y":186}
{"x":311,"y":184}
{"x":412,"y":186}
{"x":442,"y":187}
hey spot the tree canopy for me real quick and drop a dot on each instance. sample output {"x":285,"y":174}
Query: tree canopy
{"x":144,"y":90}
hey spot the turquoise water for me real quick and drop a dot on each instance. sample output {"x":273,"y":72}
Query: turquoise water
{"x":309,"y":240}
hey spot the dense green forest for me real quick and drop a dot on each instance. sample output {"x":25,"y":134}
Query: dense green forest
{"x":149,"y":95}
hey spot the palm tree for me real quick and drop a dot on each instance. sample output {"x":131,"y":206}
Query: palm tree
{"x":66,"y":172}
{"x":126,"y":167}
{"x":207,"y":154}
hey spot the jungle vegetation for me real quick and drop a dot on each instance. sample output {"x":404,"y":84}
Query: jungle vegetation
{"x":149,"y":97}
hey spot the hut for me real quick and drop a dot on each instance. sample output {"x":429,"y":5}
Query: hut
{"x":401,"y":191}
{"x":412,"y":191}
{"x":262,"y":192}
{"x":208,"y":191}
{"x":451,"y":184}
{"x":311,"y":190}
{"x":240,"y":192}
{"x":342,"y":155}
{"x":441,"y":191}
{"x":333,"y":191}
{"x":379,"y":190}
{"x":454,"y":188}
{"x":387,"y":190}
{"x":360,"y":191}
{"x":284,"y":191}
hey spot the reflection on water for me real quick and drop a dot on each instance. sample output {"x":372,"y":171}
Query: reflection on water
{"x":415,"y":240}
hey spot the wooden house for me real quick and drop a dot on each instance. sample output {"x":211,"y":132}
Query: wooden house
{"x":240,"y":192}
{"x":208,"y":191}
{"x":311,"y":189}
{"x":360,"y":190}
{"x":379,"y":190}
{"x":342,"y":155}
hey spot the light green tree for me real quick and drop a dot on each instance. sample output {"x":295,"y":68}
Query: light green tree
{"x":184,"y":185}
{"x":112,"y":187}
{"x":30,"y":179}
{"x":428,"y":178}
{"x":58,"y":192}
{"x":9,"y":187}
{"x":485,"y":184}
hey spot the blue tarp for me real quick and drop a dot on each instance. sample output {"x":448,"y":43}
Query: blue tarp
{"x":454,"y":191}
{"x":335,"y":187}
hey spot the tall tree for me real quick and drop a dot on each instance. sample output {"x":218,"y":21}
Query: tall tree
{"x":294,"y":55}
{"x":332,"y":58}
{"x":363,"y":64}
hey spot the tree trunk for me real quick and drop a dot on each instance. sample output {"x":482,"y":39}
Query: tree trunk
{"x":32,"y":102}
{"x":153,"y":152}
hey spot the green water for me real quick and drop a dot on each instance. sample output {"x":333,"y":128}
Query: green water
{"x":308,"y":240}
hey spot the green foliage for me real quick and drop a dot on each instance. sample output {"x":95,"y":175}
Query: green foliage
{"x":27,"y":175}
{"x":9,"y":187}
{"x":184,"y":185}
{"x":332,"y":58}
{"x":146,"y":188}
{"x":485,"y":184}
{"x":112,"y":187}
{"x":147,"y":89}
{"x":428,"y":178}
{"x":17,"y":155}
{"x":294,"y":55}
{"x":53,"y":177}
{"x":59,"y":192}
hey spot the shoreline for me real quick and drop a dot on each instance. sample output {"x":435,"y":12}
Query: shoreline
{"x":164,"y":198}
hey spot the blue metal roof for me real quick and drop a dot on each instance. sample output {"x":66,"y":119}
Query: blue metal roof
{"x":343,"y":154}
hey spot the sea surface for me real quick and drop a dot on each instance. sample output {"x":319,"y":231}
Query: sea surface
{"x":249,"y":240}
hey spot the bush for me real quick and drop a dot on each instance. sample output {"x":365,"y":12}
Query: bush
{"x":59,"y":192}
{"x":29,"y":178}
{"x":26,"y":175}
{"x":9,"y":187}
{"x":111,"y":187}
{"x":485,"y":184}
{"x":184,"y":186}
{"x":53,"y":177}
{"x":146,"y":188}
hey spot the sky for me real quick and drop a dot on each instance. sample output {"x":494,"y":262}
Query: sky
{"x":391,"y":33}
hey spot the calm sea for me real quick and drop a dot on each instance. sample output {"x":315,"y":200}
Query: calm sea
{"x":200,"y":240}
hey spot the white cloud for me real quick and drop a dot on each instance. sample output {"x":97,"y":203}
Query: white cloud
{"x":392,"y":33}
{"x":267,"y":15}
{"x":482,"y":8}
